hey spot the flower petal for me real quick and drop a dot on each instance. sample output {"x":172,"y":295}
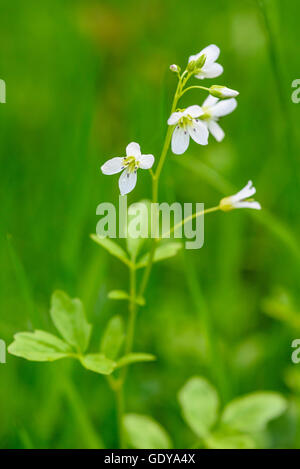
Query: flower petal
{"x":210,"y":101}
{"x":146,"y":161}
{"x":127,"y":181}
{"x":252,"y":204}
{"x":216,"y":130}
{"x":112,"y":166}
{"x":180,"y":140}
{"x":133,"y":149}
{"x":199,"y":132}
{"x":212,"y":52}
{"x":174,"y":118}
{"x":210,"y":71}
{"x":193,"y":111}
{"x":244,"y":193}
{"x":224,"y":107}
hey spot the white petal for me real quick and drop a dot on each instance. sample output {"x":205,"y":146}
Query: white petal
{"x":224,"y":107}
{"x":210,"y":101}
{"x":210,"y":71}
{"x":244,"y":193}
{"x":193,"y":111}
{"x":216,"y":130}
{"x":212,"y":52}
{"x":229,"y":93}
{"x":133,"y":149}
{"x":199,"y":132}
{"x":127,"y":182}
{"x":112,"y":166}
{"x":180,"y":140}
{"x":174,"y":118}
{"x":146,"y":161}
{"x":255,"y":205}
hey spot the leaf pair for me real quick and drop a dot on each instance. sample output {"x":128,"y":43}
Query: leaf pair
{"x":69,"y":319}
{"x":241,"y":418}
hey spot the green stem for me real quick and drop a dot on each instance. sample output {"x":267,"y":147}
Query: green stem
{"x":120,"y":415}
{"x":192,"y":88}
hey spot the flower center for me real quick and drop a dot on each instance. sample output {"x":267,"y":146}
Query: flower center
{"x":130,"y":163}
{"x":185,"y":121}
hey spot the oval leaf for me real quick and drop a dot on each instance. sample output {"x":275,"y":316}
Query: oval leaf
{"x":199,"y":403}
{"x":144,"y":432}
{"x":164,"y":251}
{"x":224,"y":441}
{"x":39,"y":346}
{"x":69,"y":319}
{"x":113,"y":338}
{"x":98,"y":363}
{"x":112,"y":247}
{"x":251,"y":413}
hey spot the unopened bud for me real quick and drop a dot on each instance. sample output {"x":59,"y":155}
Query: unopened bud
{"x":222,"y":92}
{"x":174,"y":68}
{"x":191,"y":66}
{"x":201,"y":61}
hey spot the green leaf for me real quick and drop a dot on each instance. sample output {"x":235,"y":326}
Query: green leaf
{"x":69,"y":319}
{"x":144,"y":432}
{"x":135,"y":358}
{"x":98,"y":363}
{"x":199,"y":403}
{"x":112,"y":247}
{"x":251,"y":413}
{"x":113,"y":337}
{"x":123,"y":295}
{"x":164,"y":251}
{"x":39,"y":346}
{"x":219,"y":440}
{"x":139,"y":215}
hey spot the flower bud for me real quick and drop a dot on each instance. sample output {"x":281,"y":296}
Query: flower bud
{"x":201,"y":61}
{"x":174,"y":68}
{"x":191,"y":66}
{"x":222,"y":92}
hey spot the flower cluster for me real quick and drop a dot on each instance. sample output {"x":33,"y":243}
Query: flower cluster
{"x":194,"y":122}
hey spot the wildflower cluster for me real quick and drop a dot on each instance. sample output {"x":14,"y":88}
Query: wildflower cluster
{"x":195,"y":122}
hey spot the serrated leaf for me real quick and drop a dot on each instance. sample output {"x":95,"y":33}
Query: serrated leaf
{"x":39,"y":346}
{"x":135,"y":358}
{"x":144,"y":432}
{"x":162,"y":252}
{"x":252,"y":412}
{"x":98,"y":363}
{"x":112,"y":247}
{"x":139,"y":214}
{"x":220,"y":440}
{"x":69,"y":319}
{"x":199,"y":404}
{"x":123,"y":295}
{"x":113,"y":337}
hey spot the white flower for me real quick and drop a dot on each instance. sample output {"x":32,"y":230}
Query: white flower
{"x":210,"y":69}
{"x":241,"y":199}
{"x":188,"y":125}
{"x":130,"y":164}
{"x":223,"y":92}
{"x":214,"y":109}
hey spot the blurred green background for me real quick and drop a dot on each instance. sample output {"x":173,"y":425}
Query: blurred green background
{"x":83,"y":79}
